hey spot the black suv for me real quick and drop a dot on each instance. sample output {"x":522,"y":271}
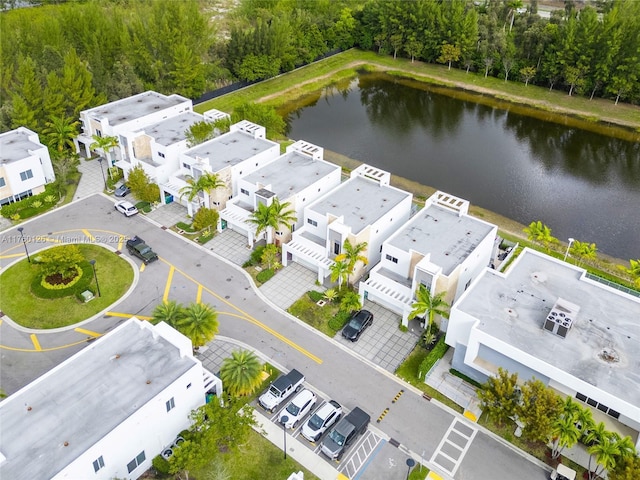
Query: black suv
{"x":357,"y":324}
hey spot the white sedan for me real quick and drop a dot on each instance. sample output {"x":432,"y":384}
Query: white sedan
{"x":126,"y":208}
{"x":297,"y":408}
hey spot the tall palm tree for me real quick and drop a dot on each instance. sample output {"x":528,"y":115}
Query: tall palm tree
{"x":625,"y":446}
{"x":269,"y":218}
{"x":584,"y":419}
{"x":352,"y":254}
{"x":565,"y":434}
{"x":634,"y":271}
{"x":170,"y":312}
{"x":429,"y":305}
{"x":539,"y":233}
{"x":106,"y":144}
{"x":205,"y":183}
{"x":59,"y":133}
{"x":199,"y":322}
{"x":241,"y":373}
{"x":584,"y":251}
{"x":340,"y":272}
{"x":595,"y":435}
{"x":606,"y":451}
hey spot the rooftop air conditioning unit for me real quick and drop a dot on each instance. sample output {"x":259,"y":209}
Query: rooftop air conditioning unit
{"x":561,"y":317}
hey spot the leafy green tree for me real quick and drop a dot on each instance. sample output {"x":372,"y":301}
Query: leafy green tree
{"x":429,"y":305}
{"x":64,"y":164}
{"x":626,"y":447}
{"x":205,"y":218}
{"x":500,"y":396}
{"x":538,"y":410}
{"x":584,"y":251}
{"x":448,"y":54}
{"x":527,"y":73}
{"x":270,"y":255}
{"x":605,"y":452}
{"x":141,"y":185}
{"x":340,"y":272}
{"x":170,"y":312}
{"x":268,"y":218}
{"x":27,"y":97}
{"x":539,"y":233}
{"x":413,"y":48}
{"x":188,"y":73}
{"x":199,"y":133}
{"x":264,"y":115}
{"x":350,"y":302}
{"x":352,"y":254}
{"x":634,"y":271}
{"x":199,"y":323}
{"x":62,"y":260}
{"x":628,"y":469}
{"x":241,"y":373}
{"x":59,"y":133}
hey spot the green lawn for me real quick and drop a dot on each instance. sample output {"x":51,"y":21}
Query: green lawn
{"x":115,"y":276}
{"x":312,"y":314}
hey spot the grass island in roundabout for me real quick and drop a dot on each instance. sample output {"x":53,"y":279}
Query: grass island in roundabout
{"x":47,"y":292}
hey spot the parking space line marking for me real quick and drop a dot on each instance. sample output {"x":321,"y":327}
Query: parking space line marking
{"x":88,"y":332}
{"x":127,"y":315}
{"x":142,"y":267}
{"x":167,"y":286}
{"x":86,"y":232}
{"x":51,"y":349}
{"x":36,"y":343}
{"x":199,"y":294}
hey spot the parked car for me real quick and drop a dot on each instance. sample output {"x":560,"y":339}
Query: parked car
{"x":140,"y":249}
{"x":321,"y":420}
{"x":126,"y":208}
{"x":298,"y":408}
{"x":562,"y":473}
{"x":357,"y":324}
{"x":122,"y":190}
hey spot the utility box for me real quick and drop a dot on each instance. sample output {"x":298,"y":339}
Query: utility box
{"x":87,"y":296}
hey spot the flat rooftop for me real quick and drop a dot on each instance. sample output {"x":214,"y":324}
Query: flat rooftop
{"x":362,"y":202}
{"x":229,"y":149}
{"x":291,"y":173}
{"x":513,"y":310}
{"x":449,"y":237}
{"x":137,"y":106}
{"x":15,"y":145}
{"x":83,"y":399}
{"x":172,"y":130}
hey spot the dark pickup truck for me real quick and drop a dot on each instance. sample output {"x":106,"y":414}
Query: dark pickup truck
{"x":344,"y":433}
{"x":137,"y":247}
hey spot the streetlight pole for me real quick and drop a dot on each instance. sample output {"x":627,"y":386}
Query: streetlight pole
{"x":410,"y":464}
{"x":93,"y":265}
{"x":24,"y":242}
{"x":571,"y":240}
{"x":100,"y":159}
{"x":283,"y":420}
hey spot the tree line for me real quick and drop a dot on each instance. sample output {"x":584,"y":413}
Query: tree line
{"x":58,"y":59}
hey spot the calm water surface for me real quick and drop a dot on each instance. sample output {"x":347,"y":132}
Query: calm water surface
{"x":581,"y":184}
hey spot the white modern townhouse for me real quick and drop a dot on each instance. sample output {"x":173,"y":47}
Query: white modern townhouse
{"x":25,"y":165}
{"x":298,"y":177}
{"x":237,"y":153}
{"x":105,"y":412}
{"x":551,"y":320}
{"x":365,"y":208}
{"x":441,"y":247}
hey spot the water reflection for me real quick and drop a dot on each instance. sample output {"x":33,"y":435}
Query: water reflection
{"x":582,"y":184}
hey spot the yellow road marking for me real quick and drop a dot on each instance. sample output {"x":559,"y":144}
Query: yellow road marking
{"x":434,"y":476}
{"x":248,"y":317}
{"x":13,"y":255}
{"x":14,"y":349}
{"x":470,"y":415}
{"x":36,"y":343}
{"x":127,"y":315}
{"x":86,"y":232}
{"x":199,"y":294}
{"x":120,"y":242}
{"x":167,"y":287}
{"x":47,"y":239}
{"x":142,"y":267}
{"x":88,"y":332}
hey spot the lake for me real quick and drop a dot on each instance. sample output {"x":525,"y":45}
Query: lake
{"x":582,"y":184}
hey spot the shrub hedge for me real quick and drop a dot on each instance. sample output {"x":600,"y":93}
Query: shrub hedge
{"x":433,"y":356}
{"x":339,"y":321}
{"x":26,"y":209}
{"x":315,"y":295}
{"x":76,"y":289}
{"x":265,"y":275}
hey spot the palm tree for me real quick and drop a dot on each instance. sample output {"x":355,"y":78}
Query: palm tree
{"x":584,"y":419}
{"x":565,"y":434}
{"x":538,"y":232}
{"x":105,"y":144}
{"x":606,"y":451}
{"x":634,"y":271}
{"x":170,"y":312}
{"x":205,"y":183}
{"x":626,"y":447}
{"x":59,"y":133}
{"x":340,"y":272}
{"x":241,"y":373}
{"x":594,"y":436}
{"x":268,"y":218}
{"x":584,"y":251}
{"x":429,"y":305}
{"x":352,"y":254}
{"x":199,"y":322}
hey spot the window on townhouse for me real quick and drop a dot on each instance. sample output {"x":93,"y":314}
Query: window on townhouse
{"x":161,"y":155}
{"x":170,"y":404}
{"x":391,"y":259}
{"x":186,"y":165}
{"x":467,"y":285}
{"x":278,"y":233}
{"x":312,"y":222}
{"x":26,"y":175}
{"x":230,"y":197}
{"x":136,"y":462}
{"x":188,"y":386}
{"x":336,"y":248}
{"x":98,"y":463}
{"x":2,"y":182}
{"x":98,"y":133}
{"x":244,"y":192}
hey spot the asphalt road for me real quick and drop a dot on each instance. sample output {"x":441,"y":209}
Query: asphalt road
{"x":187,"y":271}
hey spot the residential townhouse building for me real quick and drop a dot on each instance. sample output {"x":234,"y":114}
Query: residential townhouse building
{"x":298,"y":177}
{"x":551,"y":320}
{"x":237,"y":153}
{"x":105,"y":412}
{"x":365,"y":208}
{"x":441,"y":247}
{"x":25,"y":165}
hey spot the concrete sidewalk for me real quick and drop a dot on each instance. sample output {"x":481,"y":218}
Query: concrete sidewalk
{"x":296,"y":450}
